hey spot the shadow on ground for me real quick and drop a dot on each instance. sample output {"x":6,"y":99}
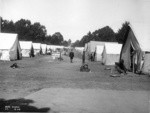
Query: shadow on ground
{"x":20,"y":105}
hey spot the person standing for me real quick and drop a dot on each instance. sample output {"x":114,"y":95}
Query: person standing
{"x":71,"y":55}
{"x":83,"y":57}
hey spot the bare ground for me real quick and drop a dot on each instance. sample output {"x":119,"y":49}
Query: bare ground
{"x":63,"y":79}
{"x":41,"y":72}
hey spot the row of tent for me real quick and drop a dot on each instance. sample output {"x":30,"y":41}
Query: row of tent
{"x":106,"y":52}
{"x":13,"y":49}
{"x":135,"y":51}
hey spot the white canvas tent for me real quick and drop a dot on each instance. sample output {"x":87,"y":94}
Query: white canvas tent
{"x":54,"y":47}
{"x":86,"y":47}
{"x":91,"y":47}
{"x":146,"y":65}
{"x":44,"y":48}
{"x":111,"y":53}
{"x":9,"y":47}
{"x":137,"y":42}
{"x":79,"y":49}
{"x":99,"y":51}
{"x":26,"y":48}
{"x":37,"y":48}
{"x":48,"y":49}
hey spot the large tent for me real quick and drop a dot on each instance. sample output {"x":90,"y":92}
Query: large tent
{"x":44,"y":48}
{"x":91,"y":46}
{"x":9,"y":47}
{"x":136,"y":48}
{"x":111,"y":53}
{"x":27,"y":48}
{"x":37,"y":48}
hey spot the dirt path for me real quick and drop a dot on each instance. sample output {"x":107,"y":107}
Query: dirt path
{"x":66,"y":100}
{"x":43,"y":72}
{"x":66,"y":86}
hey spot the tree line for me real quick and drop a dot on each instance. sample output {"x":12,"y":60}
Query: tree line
{"x":32,"y":32}
{"x":104,"y":34}
{"x":37,"y":33}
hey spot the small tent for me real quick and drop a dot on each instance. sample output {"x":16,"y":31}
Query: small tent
{"x":37,"y":48}
{"x":48,"y":49}
{"x":136,"y":49}
{"x":111,"y":53}
{"x":44,"y":48}
{"x":99,"y":51}
{"x":9,"y":47}
{"x":56,"y":47}
{"x":27,"y":48}
{"x":79,"y":49}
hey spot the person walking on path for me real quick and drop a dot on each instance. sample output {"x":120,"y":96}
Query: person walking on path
{"x":71,"y":55}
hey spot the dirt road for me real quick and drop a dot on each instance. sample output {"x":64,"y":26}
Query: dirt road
{"x":68,"y":100}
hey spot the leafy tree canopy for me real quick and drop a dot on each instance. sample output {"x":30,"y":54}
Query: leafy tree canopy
{"x":104,"y":34}
{"x":31,"y":32}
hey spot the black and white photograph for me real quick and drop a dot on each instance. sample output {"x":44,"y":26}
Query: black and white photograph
{"x":75,"y":56}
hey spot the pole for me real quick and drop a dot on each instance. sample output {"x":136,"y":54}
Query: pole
{"x":1,"y":16}
{"x":0,"y":23}
{"x":133,"y":64}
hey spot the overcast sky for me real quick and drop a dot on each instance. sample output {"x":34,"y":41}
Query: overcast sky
{"x":75,"y":18}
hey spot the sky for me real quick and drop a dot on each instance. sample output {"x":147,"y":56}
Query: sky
{"x":75,"y":18}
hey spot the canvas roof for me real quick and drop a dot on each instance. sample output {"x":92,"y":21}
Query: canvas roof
{"x":79,"y":48}
{"x":43,"y":46}
{"x":48,"y":46}
{"x":7,"y":40}
{"x":142,"y":34}
{"x":25,"y":44}
{"x":37,"y":45}
{"x":112,"y":48}
{"x":56,"y":46}
{"x":92,"y":45}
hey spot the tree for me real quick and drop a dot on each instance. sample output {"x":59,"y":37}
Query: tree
{"x":7,"y":26}
{"x":69,"y":42}
{"x":76,"y":44}
{"x":120,"y":35}
{"x":38,"y":32}
{"x":22,"y":28}
{"x":104,"y":34}
{"x":25,"y":30}
{"x":65,"y":43}
{"x":48,"y":39}
{"x":90,"y":36}
{"x":57,"y":38}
